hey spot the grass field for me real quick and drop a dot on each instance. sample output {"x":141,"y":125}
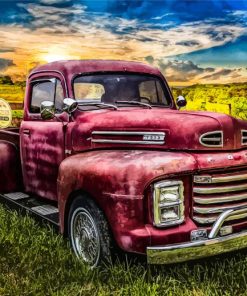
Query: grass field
{"x":34,"y":260}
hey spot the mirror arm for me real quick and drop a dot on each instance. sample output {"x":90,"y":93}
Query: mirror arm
{"x":55,"y":116}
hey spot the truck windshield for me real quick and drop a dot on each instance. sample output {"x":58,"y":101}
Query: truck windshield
{"x":114,"y":88}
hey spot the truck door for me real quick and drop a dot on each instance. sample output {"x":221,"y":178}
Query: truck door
{"x":42,"y":142}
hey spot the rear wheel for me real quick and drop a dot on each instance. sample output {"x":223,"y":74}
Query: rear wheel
{"x":88,"y":232}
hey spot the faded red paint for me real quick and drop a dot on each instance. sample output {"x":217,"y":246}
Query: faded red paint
{"x":183,"y":128}
{"x":10,"y":178}
{"x":42,"y":152}
{"x":117,"y":176}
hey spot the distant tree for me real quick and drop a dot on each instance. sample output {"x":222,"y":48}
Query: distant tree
{"x":22,"y":84}
{"x":6,"y":80}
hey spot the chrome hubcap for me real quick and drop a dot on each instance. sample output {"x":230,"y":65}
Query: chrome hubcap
{"x":85,"y":238}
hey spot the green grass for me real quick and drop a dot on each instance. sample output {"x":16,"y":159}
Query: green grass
{"x":17,"y":114}
{"x":34,"y":260}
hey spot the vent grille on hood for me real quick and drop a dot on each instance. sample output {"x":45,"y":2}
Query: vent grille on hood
{"x":212,"y":139}
{"x":244,"y":137}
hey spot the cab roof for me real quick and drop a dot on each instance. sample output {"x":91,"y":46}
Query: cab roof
{"x":72,"y":67}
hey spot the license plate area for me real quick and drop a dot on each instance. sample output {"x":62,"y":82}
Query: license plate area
{"x":199,"y":234}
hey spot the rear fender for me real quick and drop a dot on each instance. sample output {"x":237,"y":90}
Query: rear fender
{"x":10,"y":179}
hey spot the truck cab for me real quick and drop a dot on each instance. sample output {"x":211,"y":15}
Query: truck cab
{"x":104,"y":153}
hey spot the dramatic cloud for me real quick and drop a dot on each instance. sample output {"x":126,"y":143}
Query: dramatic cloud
{"x":181,"y":71}
{"x":51,"y":2}
{"x":178,"y":71}
{"x":5,"y":63}
{"x":57,"y":29}
{"x":6,"y":50}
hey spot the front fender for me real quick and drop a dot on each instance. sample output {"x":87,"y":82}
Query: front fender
{"x":117,"y":180}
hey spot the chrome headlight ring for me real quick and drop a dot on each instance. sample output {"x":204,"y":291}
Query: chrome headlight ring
{"x":168,"y":203}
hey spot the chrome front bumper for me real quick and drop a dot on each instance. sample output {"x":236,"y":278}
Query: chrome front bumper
{"x":196,"y":250}
{"x":211,"y":246}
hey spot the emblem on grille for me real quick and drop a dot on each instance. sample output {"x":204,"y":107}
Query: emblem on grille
{"x":202,"y":179}
{"x":153,"y":137}
{"x":197,"y":235}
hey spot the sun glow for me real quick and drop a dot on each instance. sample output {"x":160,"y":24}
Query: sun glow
{"x":55,"y":57}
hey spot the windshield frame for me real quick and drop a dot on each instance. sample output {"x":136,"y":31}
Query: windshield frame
{"x":163,"y":83}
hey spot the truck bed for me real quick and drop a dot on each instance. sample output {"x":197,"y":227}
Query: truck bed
{"x":11,"y":135}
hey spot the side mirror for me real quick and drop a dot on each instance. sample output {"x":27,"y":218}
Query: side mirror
{"x":69,"y":105}
{"x":47,"y":110}
{"x":181,"y":102}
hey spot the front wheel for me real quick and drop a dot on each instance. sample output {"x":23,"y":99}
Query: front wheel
{"x":88,"y":232}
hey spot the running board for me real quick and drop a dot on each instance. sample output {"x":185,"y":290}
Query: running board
{"x":41,"y":209}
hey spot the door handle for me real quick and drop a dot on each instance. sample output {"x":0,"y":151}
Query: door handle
{"x":26,"y":132}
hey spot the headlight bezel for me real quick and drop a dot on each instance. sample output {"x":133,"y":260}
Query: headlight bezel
{"x":158,"y":206}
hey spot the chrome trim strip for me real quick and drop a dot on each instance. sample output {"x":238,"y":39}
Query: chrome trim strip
{"x":222,"y":179}
{"x":127,"y":133}
{"x":223,"y":189}
{"x":209,"y":220}
{"x":219,"y":222}
{"x":160,"y":141}
{"x":243,"y":137}
{"x":214,"y":210}
{"x":127,"y":142}
{"x":221,"y":199}
{"x":182,"y":252}
{"x":208,"y":134}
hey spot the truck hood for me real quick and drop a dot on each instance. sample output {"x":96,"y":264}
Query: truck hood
{"x":157,"y":128}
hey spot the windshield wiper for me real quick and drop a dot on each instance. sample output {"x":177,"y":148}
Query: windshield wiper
{"x":99,"y":104}
{"x":134,"y":103}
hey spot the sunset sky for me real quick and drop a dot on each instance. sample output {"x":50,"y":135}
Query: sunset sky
{"x":190,"y":41}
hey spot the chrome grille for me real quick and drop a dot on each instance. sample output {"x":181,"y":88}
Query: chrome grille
{"x":217,"y":192}
{"x":244,"y":137}
{"x":212,"y":139}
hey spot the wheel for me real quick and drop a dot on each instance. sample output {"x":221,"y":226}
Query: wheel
{"x":88,"y":232}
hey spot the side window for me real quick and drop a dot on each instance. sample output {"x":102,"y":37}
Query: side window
{"x":152,"y":90}
{"x":148,"y":90}
{"x":47,"y":90}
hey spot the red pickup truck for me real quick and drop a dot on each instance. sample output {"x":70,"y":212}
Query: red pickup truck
{"x":104,"y":154}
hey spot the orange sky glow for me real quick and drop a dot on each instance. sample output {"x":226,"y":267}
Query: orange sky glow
{"x":100,"y":36}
